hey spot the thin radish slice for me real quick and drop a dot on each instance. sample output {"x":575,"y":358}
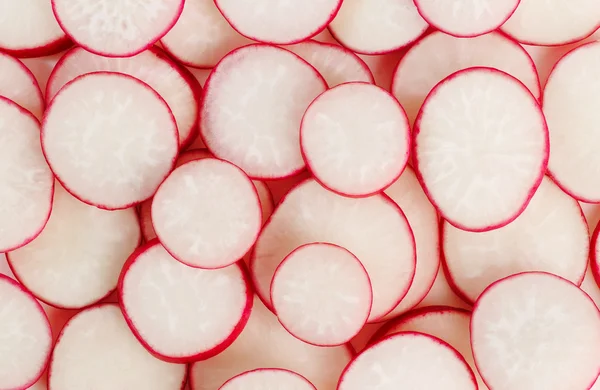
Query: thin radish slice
{"x":268,"y":379}
{"x":26,"y":182}
{"x":536,"y":331}
{"x":374,"y":229}
{"x":355,"y":139}
{"x":480,"y":180}
{"x":438,"y":55}
{"x":174,"y":84}
{"x":116,"y":28}
{"x":551,"y":235}
{"x":18,"y":84}
{"x":207,"y":213}
{"x":113,"y":146}
{"x":253,"y":104}
{"x":25,"y":336}
{"x":73,"y":273}
{"x":406,"y":361}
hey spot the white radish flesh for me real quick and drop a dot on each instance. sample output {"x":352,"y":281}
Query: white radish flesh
{"x":18,"y":84}
{"x":268,"y":379}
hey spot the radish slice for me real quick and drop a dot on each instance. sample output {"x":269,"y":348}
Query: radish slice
{"x":279,"y":22}
{"x":481,"y":167}
{"x":116,"y":28}
{"x":18,"y":84}
{"x":253,"y":104}
{"x":113,"y":146}
{"x":355,"y":139}
{"x":42,"y":67}
{"x":368,"y":27}
{"x":536,"y":331}
{"x":26,"y":182}
{"x":403,"y":361}
{"x":175,"y":85}
{"x":551,"y":235}
{"x":268,"y":379}
{"x":265,"y":343}
{"x":25,"y":336}
{"x":374,"y":229}
{"x":438,"y":55}
{"x":322,"y":294}
{"x":73,"y":273}
{"x":595,"y":255}
{"x":96,"y":346}
{"x":207,"y":213}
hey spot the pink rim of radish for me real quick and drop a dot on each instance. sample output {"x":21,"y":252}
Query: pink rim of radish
{"x":267,"y":378}
{"x":18,"y":84}
{"x":594,"y":256}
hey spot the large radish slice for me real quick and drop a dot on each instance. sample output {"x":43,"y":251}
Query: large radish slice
{"x":25,"y":336}
{"x":268,"y":379}
{"x":481,"y":157}
{"x":374,"y":229}
{"x":536,"y":331}
{"x":110,"y":139}
{"x":96,"y":346}
{"x":322,"y":294}
{"x":116,"y":28}
{"x":26,"y":182}
{"x":77,"y":259}
{"x":355,"y":139}
{"x":253,"y":104}
{"x":18,"y":84}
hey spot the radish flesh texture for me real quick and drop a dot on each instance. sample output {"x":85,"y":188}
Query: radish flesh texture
{"x":268,"y":379}
{"x":18,"y":84}
{"x":481,"y":168}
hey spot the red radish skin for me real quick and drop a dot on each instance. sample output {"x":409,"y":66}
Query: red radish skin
{"x":382,"y":66}
{"x":595,"y":255}
{"x":280,"y":188}
{"x":18,"y":84}
{"x":268,"y":379}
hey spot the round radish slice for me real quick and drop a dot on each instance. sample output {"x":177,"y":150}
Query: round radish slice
{"x":536,"y":331}
{"x":119,"y":28}
{"x":18,"y":84}
{"x":110,"y":139}
{"x":551,"y":235}
{"x":253,"y":104}
{"x":374,"y":229}
{"x":322,"y":294}
{"x":25,"y":336}
{"x":406,"y":361}
{"x":481,"y":167}
{"x":595,"y":255}
{"x":355,"y":139}
{"x":26,"y":182}
{"x":268,"y":379}
{"x":207,"y":213}
{"x":438,"y":55}
{"x":77,"y":259}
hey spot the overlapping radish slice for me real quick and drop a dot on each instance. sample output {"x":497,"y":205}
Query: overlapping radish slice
{"x":374,"y":229}
{"x":595,"y":255}
{"x":253,"y":104}
{"x":25,"y":336}
{"x":18,"y":84}
{"x":481,"y":148}
{"x":110,"y":139}
{"x":536,"y":331}
{"x":355,"y":139}
{"x":268,"y":379}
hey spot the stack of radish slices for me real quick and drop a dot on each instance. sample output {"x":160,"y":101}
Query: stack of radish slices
{"x":299,"y":195}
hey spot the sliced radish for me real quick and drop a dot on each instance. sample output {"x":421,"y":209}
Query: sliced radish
{"x":374,"y":229}
{"x":268,"y":379}
{"x":595,"y":255}
{"x":536,"y":331}
{"x":18,"y":84}
{"x":110,"y":139}
{"x":438,"y":55}
{"x":253,"y":104}
{"x":25,"y":336}
{"x":355,"y":139}
{"x":481,"y":156}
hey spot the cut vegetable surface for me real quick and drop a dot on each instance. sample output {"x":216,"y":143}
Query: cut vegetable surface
{"x":268,"y":379}
{"x":18,"y":84}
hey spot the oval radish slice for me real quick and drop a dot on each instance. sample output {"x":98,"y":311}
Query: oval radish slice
{"x":536,"y":331}
{"x":481,"y":167}
{"x":253,"y":104}
{"x":355,"y":139}
{"x":25,"y":336}
{"x":18,"y":84}
{"x":268,"y":379}
{"x":110,"y":139}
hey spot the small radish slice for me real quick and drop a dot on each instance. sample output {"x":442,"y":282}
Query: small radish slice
{"x":73,"y":273}
{"x":18,"y":84}
{"x":116,"y":28}
{"x":110,"y":139}
{"x":536,"y":331}
{"x":322,"y":294}
{"x":551,"y":235}
{"x":355,"y":139}
{"x":253,"y":104}
{"x":406,"y":361}
{"x":26,"y":182}
{"x":25,"y":336}
{"x":207,"y":213}
{"x":481,"y":167}
{"x":268,"y":379}
{"x":96,"y":346}
{"x":374,"y":229}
